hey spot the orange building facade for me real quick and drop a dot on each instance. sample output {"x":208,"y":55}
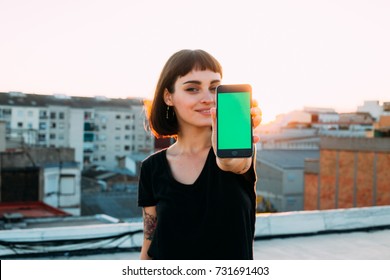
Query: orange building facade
{"x":351,"y":172}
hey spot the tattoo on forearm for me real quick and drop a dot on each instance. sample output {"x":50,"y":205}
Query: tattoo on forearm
{"x":150,"y":223}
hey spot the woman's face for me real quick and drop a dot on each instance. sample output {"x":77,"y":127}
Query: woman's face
{"x":193,"y":97}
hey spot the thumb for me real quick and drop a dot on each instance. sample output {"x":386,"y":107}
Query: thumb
{"x":213,"y":112}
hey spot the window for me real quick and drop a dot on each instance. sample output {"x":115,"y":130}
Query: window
{"x":7,"y":112}
{"x":88,"y":137}
{"x":42,"y":125}
{"x":42,"y":115}
{"x":52,"y":136}
{"x":117,"y":148}
{"x":41,"y":137}
{"x":117,"y":137}
{"x":103,"y":158}
{"x":20,"y":125}
{"x":67,"y":185}
{"x":290,"y":177}
{"x":89,"y":126}
{"x":53,"y":115}
{"x":61,"y":115}
{"x":127,"y":148}
{"x":87,"y":115}
{"x":127,"y":127}
{"x":53,"y":125}
{"x":118,"y":117}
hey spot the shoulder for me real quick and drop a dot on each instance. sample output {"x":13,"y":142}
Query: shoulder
{"x":155,"y":158}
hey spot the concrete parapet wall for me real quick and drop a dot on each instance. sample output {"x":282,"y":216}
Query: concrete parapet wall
{"x":312,"y":222}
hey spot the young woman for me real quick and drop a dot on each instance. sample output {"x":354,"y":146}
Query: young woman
{"x":195,"y":205}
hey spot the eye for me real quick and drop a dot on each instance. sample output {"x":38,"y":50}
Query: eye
{"x":213,"y":89}
{"x":192,"y":89}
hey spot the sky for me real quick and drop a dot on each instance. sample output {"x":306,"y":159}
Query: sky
{"x":328,"y":54}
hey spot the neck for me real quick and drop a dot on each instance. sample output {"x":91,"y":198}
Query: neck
{"x":193,"y":140}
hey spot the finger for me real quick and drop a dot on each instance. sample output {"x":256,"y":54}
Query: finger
{"x":256,"y":138}
{"x":256,"y":116}
{"x":256,"y":111}
{"x":256,"y":121}
{"x":213,"y":112}
{"x":254,"y":103}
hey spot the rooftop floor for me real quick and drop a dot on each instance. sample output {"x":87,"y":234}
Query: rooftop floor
{"x":350,"y":234}
{"x":361,"y":245}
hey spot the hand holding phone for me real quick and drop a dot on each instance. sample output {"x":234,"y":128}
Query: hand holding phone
{"x":234,"y":122}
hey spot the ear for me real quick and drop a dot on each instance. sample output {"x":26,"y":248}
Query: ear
{"x":168,"y":97}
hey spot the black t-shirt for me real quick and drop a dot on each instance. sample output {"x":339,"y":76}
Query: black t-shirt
{"x":214,"y":218}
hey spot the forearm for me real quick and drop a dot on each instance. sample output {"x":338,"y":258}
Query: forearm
{"x":235,"y":165}
{"x":150,"y":223}
{"x":144,"y":251}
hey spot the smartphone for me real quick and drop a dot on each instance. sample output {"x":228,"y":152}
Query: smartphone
{"x":234,"y":121}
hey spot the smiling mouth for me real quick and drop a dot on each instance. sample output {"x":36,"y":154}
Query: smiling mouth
{"x":206,"y":111}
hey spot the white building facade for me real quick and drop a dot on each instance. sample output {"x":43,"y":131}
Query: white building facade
{"x":98,"y":128}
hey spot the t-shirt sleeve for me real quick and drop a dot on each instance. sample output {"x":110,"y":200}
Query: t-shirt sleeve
{"x":146,"y":196}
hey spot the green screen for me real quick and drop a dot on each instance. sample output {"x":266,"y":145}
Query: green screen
{"x":234,"y":120}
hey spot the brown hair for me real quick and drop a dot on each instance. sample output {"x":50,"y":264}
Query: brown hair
{"x":178,"y":65}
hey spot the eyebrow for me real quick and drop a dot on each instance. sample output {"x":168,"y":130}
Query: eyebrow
{"x":199,"y":82}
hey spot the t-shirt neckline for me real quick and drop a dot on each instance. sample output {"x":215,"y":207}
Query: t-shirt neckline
{"x":193,"y":185}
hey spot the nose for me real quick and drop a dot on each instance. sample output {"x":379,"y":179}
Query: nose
{"x":209,"y":97}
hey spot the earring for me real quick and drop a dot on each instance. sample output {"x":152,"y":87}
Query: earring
{"x":167,"y":113}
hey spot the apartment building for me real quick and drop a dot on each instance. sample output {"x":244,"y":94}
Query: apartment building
{"x":2,"y":136}
{"x":374,"y":108}
{"x":100,"y":129}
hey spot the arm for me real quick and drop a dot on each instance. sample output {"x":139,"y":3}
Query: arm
{"x":150,"y":222}
{"x":235,"y":165}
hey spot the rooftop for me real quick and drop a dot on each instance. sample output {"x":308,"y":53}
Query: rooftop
{"x":29,"y":210}
{"x":362,"y":245}
{"x":355,"y":233}
{"x":287,"y":159}
{"x":38,"y":100}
